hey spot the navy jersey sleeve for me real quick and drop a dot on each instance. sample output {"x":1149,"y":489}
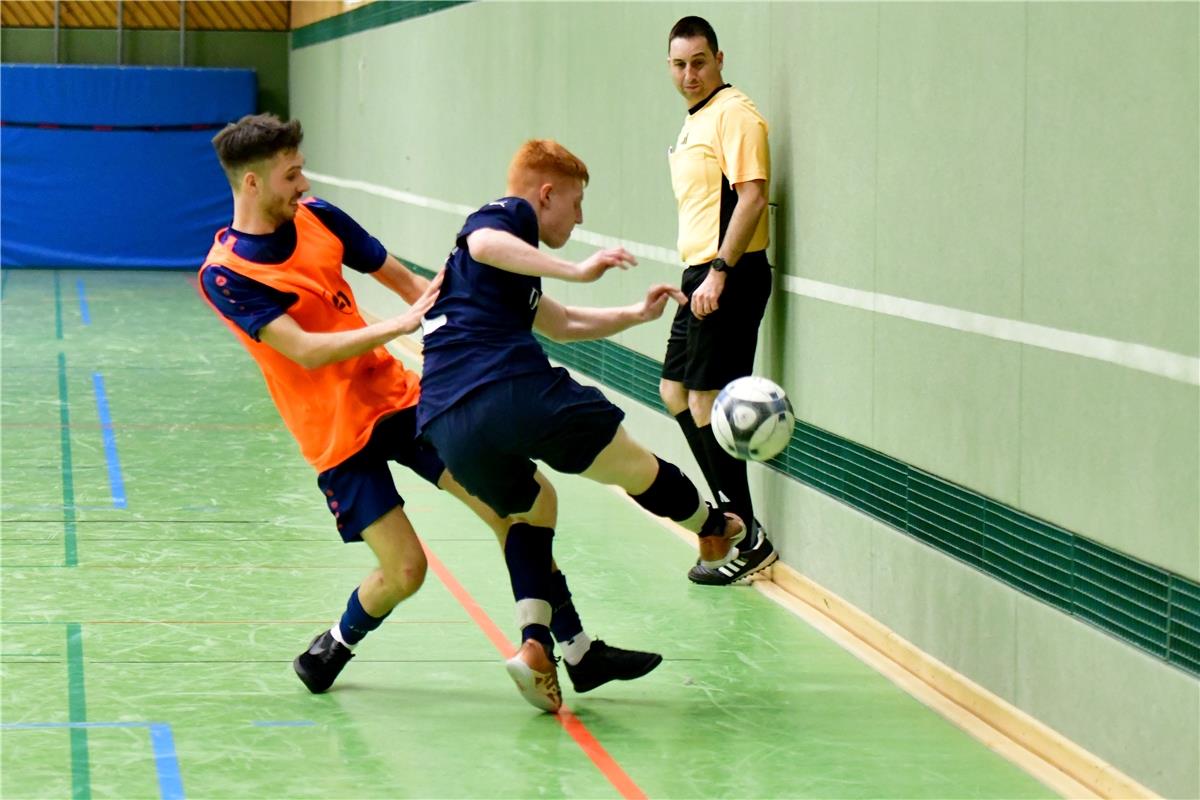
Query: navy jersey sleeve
{"x":363,"y":252}
{"x":247,"y":303}
{"x":509,"y":214}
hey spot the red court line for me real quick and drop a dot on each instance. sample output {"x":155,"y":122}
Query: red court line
{"x":591,"y":747}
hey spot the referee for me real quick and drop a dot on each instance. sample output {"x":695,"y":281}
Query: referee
{"x":720,"y":168}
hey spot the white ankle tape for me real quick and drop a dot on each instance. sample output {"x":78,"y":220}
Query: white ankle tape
{"x":730,"y":556}
{"x":531,"y":611}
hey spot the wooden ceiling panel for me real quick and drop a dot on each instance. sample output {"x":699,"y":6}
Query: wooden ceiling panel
{"x":88,"y":14}
{"x":26,"y":14}
{"x":219,"y":15}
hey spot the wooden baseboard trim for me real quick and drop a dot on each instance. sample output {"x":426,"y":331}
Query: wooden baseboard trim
{"x":1098,"y":777}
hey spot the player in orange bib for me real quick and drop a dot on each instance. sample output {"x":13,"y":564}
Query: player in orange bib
{"x":275,"y":278}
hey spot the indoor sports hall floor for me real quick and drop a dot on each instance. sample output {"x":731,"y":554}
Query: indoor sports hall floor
{"x":165,"y":554}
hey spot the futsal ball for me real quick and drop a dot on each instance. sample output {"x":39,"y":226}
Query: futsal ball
{"x":752,"y":419}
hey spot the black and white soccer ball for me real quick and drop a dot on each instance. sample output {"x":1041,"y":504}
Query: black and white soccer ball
{"x":752,"y":419}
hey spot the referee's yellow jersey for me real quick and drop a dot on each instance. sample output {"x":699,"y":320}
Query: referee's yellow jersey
{"x":722,"y":143}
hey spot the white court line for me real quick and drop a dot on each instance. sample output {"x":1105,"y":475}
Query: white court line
{"x":1164,"y":363}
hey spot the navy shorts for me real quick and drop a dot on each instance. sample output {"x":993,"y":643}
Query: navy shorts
{"x":491,"y":438}
{"x":360,"y":490}
{"x":705,"y":354}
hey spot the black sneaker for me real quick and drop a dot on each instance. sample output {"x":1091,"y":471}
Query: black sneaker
{"x":602,"y":663}
{"x":742,"y":566}
{"x":319,"y":665}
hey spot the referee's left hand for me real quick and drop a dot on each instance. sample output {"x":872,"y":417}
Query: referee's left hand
{"x":705,"y":298}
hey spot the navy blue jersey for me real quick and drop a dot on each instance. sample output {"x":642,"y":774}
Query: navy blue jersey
{"x":252,"y":305}
{"x":480,"y":330}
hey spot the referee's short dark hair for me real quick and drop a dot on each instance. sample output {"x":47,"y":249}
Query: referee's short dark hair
{"x":689,"y":27}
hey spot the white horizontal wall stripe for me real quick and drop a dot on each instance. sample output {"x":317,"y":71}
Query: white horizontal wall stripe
{"x":1174,"y":366}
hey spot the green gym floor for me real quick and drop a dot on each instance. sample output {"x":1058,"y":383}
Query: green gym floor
{"x":165,"y":555}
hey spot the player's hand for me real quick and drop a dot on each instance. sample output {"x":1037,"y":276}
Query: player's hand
{"x":410,"y":320}
{"x":656,"y":301}
{"x":601,"y":262}
{"x":705,"y":300}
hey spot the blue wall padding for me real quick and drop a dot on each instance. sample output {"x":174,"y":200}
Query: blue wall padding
{"x":132,"y":198}
{"x":97,"y":95}
{"x":129,"y":199}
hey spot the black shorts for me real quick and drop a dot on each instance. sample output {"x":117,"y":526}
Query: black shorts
{"x":490,"y":438}
{"x":360,"y":490}
{"x":707,"y":354}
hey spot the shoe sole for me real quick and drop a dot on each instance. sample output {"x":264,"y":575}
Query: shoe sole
{"x":766,"y":562}
{"x":523,"y":676}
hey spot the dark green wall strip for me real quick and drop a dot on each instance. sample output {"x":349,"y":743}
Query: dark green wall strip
{"x":372,"y":15}
{"x":1144,"y":605}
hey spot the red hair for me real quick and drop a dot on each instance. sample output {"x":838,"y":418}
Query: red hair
{"x":539,"y":159}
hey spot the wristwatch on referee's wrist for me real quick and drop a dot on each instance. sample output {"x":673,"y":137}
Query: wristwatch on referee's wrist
{"x":718,"y":265}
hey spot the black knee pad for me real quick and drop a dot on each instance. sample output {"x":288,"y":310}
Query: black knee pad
{"x":671,"y":495}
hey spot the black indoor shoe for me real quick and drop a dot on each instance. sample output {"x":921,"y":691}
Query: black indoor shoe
{"x":741,"y":566}
{"x":602,"y":663}
{"x":319,"y":665}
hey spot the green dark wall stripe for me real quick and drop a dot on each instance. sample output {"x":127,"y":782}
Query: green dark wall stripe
{"x":1146,"y":606}
{"x":372,"y":15}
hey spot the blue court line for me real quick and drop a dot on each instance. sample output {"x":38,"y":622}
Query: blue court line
{"x":115,"y":481}
{"x":166,"y":761}
{"x":83,"y":303}
{"x":299,"y":723}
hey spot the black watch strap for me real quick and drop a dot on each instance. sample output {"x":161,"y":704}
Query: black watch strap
{"x":718,"y":265}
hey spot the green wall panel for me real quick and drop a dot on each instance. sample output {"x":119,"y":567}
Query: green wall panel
{"x":949,"y":403}
{"x":26,"y":45}
{"x":1092,"y":432}
{"x":264,"y":52}
{"x":1066,"y":668}
{"x":1112,"y":203}
{"x":824,"y":350}
{"x":823,"y":127}
{"x":913,"y":593}
{"x":950,"y":147}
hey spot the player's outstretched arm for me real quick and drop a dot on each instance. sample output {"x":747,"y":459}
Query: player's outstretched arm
{"x":311,"y":349}
{"x":396,"y":276}
{"x":502,"y":250}
{"x":574,"y":323}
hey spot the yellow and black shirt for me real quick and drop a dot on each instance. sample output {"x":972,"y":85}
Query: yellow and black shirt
{"x":723,"y":142}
